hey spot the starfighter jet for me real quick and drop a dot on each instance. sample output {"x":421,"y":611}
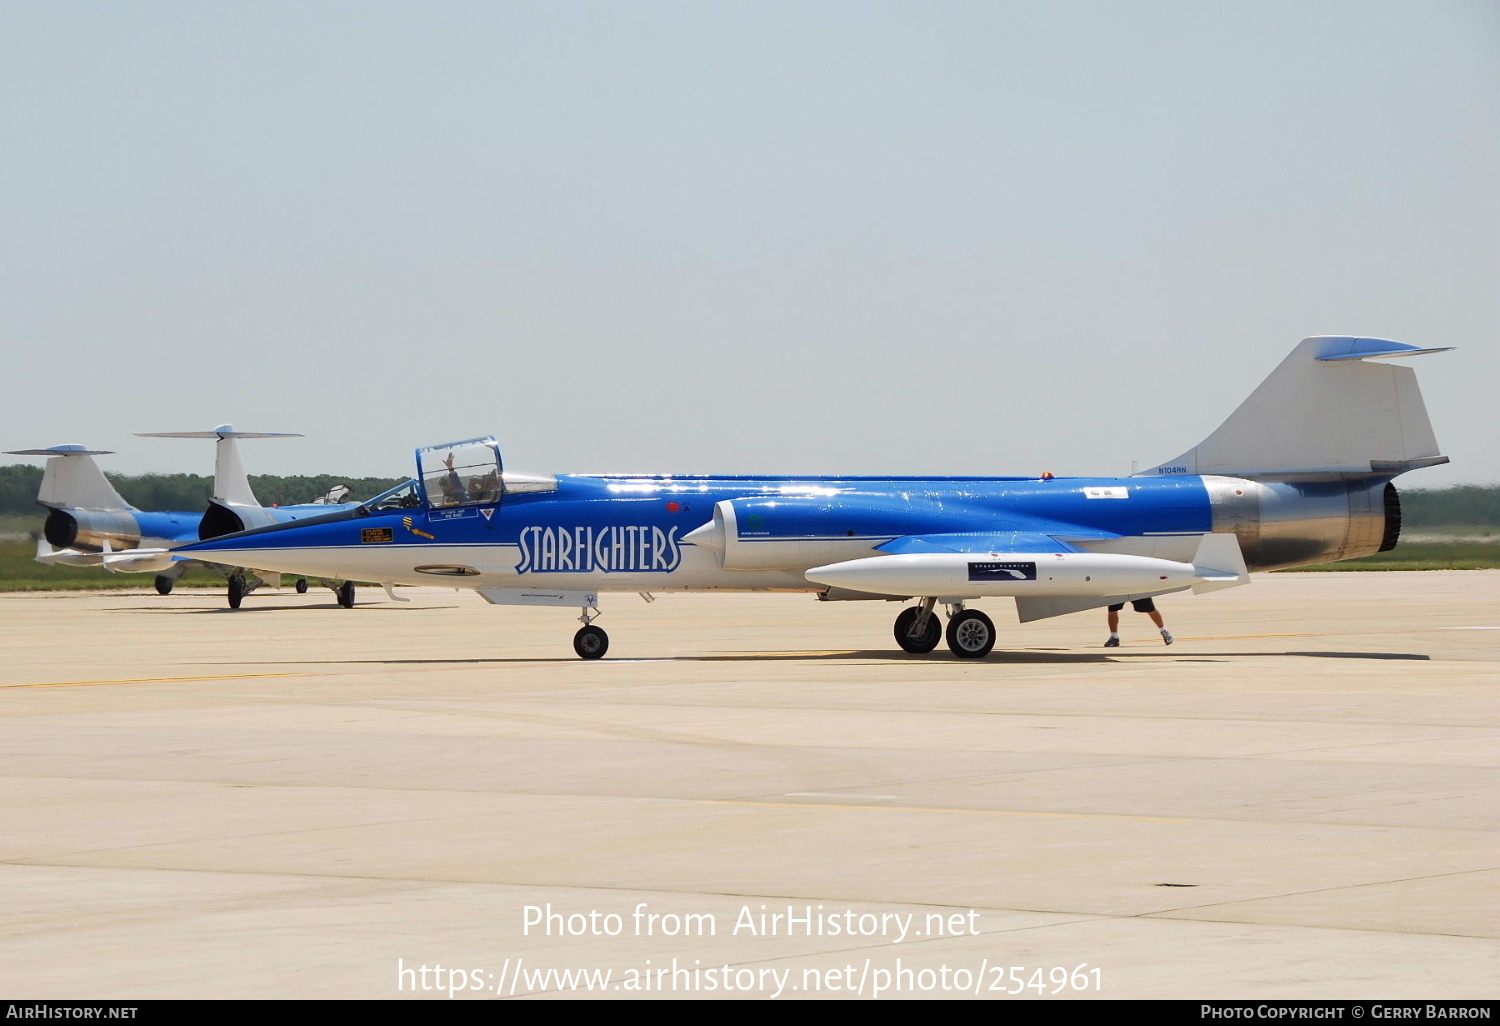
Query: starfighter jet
{"x":90,"y":524}
{"x":1300,"y":473}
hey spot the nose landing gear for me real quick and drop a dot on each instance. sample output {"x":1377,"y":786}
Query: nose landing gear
{"x":590,"y":642}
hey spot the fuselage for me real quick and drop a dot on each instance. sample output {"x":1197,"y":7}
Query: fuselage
{"x":659,"y":533}
{"x":92,"y":530}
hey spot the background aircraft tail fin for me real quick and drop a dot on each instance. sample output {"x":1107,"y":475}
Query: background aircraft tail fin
{"x":1323,"y":410}
{"x":231,"y":483}
{"x":72,"y":479}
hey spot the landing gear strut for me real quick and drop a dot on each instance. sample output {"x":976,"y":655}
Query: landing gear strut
{"x":918,"y":629}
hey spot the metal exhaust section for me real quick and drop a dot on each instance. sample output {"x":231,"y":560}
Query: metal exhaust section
{"x":1301,"y":519}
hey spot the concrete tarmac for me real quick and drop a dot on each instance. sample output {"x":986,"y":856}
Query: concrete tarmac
{"x":752,"y":796}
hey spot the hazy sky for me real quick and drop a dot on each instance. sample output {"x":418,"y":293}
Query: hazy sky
{"x":933,"y":236}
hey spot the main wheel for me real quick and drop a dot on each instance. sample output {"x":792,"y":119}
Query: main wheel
{"x":971,"y":634}
{"x":302,"y":586}
{"x":919,"y":643}
{"x":346,"y":594}
{"x":590,"y":642}
{"x":236,"y":591}
{"x":164,"y":584}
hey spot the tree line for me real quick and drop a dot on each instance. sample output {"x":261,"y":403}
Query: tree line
{"x":1459,"y":506}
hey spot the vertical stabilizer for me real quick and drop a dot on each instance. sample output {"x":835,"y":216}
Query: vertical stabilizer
{"x":1323,"y":410}
{"x":231,"y":483}
{"x":73,"y":480}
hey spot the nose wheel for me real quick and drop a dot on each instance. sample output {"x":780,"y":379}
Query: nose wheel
{"x":590,"y":642}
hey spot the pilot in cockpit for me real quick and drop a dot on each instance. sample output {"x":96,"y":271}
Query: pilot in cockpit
{"x":453,"y":486}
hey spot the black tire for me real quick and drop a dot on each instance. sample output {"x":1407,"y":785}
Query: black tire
{"x":971,"y":634}
{"x":164,"y":584}
{"x":302,"y":586}
{"x":346,"y":594}
{"x":236,"y":591}
{"x":930,"y":636}
{"x":591,"y":642}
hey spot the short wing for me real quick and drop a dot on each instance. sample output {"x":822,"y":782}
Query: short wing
{"x":996,"y":543}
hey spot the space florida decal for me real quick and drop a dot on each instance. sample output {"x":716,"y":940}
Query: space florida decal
{"x":610,"y":550}
{"x":1002,"y":571}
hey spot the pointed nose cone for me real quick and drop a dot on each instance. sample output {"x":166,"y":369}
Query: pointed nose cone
{"x":709,"y":536}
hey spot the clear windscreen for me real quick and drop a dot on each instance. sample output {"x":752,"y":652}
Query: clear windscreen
{"x":403,"y":496}
{"x":461,"y":474}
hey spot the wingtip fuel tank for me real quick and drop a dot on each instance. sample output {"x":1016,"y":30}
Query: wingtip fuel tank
{"x":957,"y":576}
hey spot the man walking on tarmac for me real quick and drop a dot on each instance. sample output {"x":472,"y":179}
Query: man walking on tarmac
{"x":1144,"y":605}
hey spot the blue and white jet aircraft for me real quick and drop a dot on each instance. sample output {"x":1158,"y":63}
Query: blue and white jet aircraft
{"x":1300,"y":473}
{"x":87,"y":519}
{"x":233,"y":507}
{"x":90,"y":524}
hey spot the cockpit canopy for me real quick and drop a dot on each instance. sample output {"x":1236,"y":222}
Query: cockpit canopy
{"x":463,"y":473}
{"x":459,"y":474}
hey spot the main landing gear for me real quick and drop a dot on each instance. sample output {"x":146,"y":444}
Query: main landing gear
{"x":241,"y":585}
{"x":970,"y":634}
{"x":918,"y":628}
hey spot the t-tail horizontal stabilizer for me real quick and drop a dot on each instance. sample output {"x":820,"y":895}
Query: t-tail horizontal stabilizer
{"x":1324,"y":410}
{"x":231,"y":483}
{"x":72,"y":479}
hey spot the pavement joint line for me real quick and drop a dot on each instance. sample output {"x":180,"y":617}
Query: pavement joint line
{"x":959,"y":812}
{"x":1334,"y":889}
{"x":149,"y":680}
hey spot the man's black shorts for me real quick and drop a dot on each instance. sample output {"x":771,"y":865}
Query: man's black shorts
{"x":1144,"y":605}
